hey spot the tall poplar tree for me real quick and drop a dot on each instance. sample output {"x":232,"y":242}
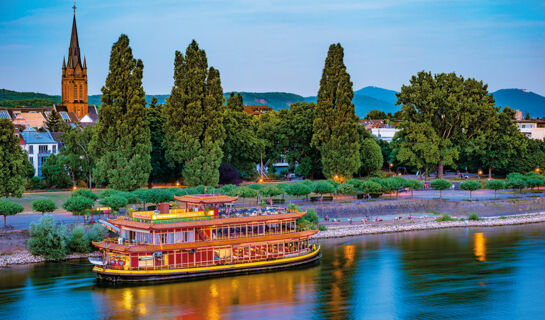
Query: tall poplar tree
{"x":194,"y":130}
{"x":121,"y":141}
{"x":160,"y":170}
{"x":336,"y":125}
{"x":12,"y":162}
{"x":235,"y":102}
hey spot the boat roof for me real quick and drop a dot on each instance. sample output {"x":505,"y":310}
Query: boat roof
{"x":204,"y":223}
{"x":195,"y":245}
{"x":200,"y":199}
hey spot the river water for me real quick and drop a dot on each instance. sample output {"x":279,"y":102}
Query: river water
{"x":488,"y":273}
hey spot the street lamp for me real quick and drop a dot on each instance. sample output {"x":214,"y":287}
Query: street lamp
{"x":480,"y":172}
{"x":391,"y":166}
{"x":538,"y":170}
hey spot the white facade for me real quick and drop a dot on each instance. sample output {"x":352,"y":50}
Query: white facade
{"x":39,"y":146}
{"x":531,"y":130}
{"x":386,"y":134}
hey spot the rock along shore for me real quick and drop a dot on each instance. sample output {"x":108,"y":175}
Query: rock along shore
{"x":338,"y":231}
{"x":24,"y":257}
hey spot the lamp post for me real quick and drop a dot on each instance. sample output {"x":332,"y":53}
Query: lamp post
{"x":391,"y":167}
{"x":480,"y":172}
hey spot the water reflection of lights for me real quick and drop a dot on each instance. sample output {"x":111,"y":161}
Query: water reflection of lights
{"x":128,"y":299}
{"x":349,"y":254}
{"x":479,"y":246}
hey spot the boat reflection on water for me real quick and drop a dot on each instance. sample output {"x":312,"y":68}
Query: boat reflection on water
{"x":209,"y":299}
{"x":479,"y":246}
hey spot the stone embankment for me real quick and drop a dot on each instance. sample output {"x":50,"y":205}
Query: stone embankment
{"x":338,"y":231}
{"x":24,"y":257}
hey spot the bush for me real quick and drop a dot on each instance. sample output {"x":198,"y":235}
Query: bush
{"x":97,"y":233}
{"x":228,"y":189}
{"x":115,"y":202}
{"x":36,"y":183}
{"x":77,"y":205}
{"x":81,"y":184}
{"x":440,"y":184}
{"x":495,"y":185}
{"x":445,"y":217}
{"x":85,"y":193}
{"x":346,"y":189}
{"x":414,"y":184}
{"x":9,"y":208}
{"x":321,"y":227}
{"x":298,"y":190}
{"x":372,"y":188}
{"x":108,"y":193}
{"x":79,"y":242}
{"x":272,"y":191}
{"x":229,"y":175}
{"x":43,"y":205}
{"x":473,"y":216}
{"x":47,"y":240}
{"x":131,"y":197}
{"x":470,"y":186}
{"x":179,"y":192}
{"x":322,"y":187}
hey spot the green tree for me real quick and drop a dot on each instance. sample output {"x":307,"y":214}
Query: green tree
{"x":78,"y":205}
{"x":346,"y":189}
{"x":336,"y":124}
{"x":48,"y":240}
{"x":12,"y":162}
{"x":298,"y":190}
{"x":414,"y":184}
{"x":76,"y":156}
{"x":373,"y":188}
{"x":9,"y":208}
{"x":516,"y":181}
{"x":43,"y":205}
{"x":322,"y":187}
{"x":495,"y":185}
{"x":456,"y":109}
{"x":296,"y":130}
{"x":121,"y":139}
{"x":396,"y":183}
{"x":55,"y":123}
{"x":85,"y":193}
{"x":194,"y":132}
{"x":376,"y":115}
{"x":440,"y":184}
{"x":115,"y":202}
{"x":272,"y":191}
{"x":470,"y":185}
{"x":242,"y":146}
{"x":54,"y":172}
{"x":245,"y":192}
{"x":160,"y":169}
{"x":235,"y":102}
{"x":269,"y":131}
{"x":157,"y":196}
{"x":79,"y":241}
{"x":371,"y":157}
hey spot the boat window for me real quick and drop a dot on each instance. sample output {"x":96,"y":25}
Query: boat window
{"x":170,"y":237}
{"x":178,"y":236}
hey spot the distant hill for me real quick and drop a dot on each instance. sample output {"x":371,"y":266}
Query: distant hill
{"x":365,"y":100}
{"x":523,"y":100}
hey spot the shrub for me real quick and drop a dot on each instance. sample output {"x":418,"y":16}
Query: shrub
{"x":47,"y":240}
{"x":298,"y":190}
{"x":78,"y":205}
{"x":445,"y":217}
{"x":414,"y":184}
{"x":245,"y":192}
{"x":86,"y":193}
{"x":372,"y":188}
{"x":9,"y":208}
{"x":355,"y":183}
{"x":272,"y":191}
{"x":495,"y":185}
{"x":108,"y":193}
{"x":440,"y":184}
{"x":229,"y":175}
{"x":470,"y":186}
{"x":228,"y":189}
{"x":346,"y":189}
{"x":97,"y":232}
{"x":79,"y":242}
{"x":256,"y":186}
{"x":321,"y":227}
{"x":115,"y":202}
{"x":131,"y":197}
{"x":322,"y":187}
{"x":36,"y":183}
{"x":179,"y":192}
{"x":43,"y":205}
{"x":473,"y":216}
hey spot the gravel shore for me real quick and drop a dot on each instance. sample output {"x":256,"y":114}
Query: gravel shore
{"x":24,"y":257}
{"x":338,"y":231}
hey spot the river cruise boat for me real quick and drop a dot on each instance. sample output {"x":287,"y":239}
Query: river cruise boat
{"x":204,"y":236}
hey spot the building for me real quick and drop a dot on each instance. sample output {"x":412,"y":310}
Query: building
{"x":39,"y":146}
{"x":36,"y":117}
{"x":533,"y":129}
{"x":387,"y":134}
{"x":380,"y":129}
{"x":257,"y":110}
{"x":74,"y":77}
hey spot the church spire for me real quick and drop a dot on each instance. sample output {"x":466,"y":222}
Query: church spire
{"x":73,"y":52}
{"x":63,"y":63}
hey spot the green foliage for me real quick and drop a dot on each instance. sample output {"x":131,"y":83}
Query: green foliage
{"x":321,"y":227}
{"x":48,"y":240}
{"x":242,"y":146}
{"x":178,"y":191}
{"x":372,"y":188}
{"x":79,"y":241}
{"x":298,"y":190}
{"x":228,"y":189}
{"x":156,"y":196}
{"x":282,"y":185}
{"x":371,"y":157}
{"x":444,"y":113}
{"x":75,"y":155}
{"x":12,"y":162}
{"x":115,"y":202}
{"x":445,"y":217}
{"x":54,"y":172}
{"x":54,"y":122}
{"x":272,"y":191}
{"x":309,"y":220}
{"x":97,"y":233}
{"x":470,"y":185}
{"x":108,"y":193}
{"x":336,"y":133}
{"x":9,"y":208}
{"x":440,"y":184}
{"x":516,"y":181}
{"x":86,"y":193}
{"x":37,"y":183}
{"x":160,"y":170}
{"x":474,"y":217}
{"x":376,"y":115}
{"x":235,"y":102}
{"x":495,"y":185}
{"x":296,"y":130}
{"x":121,"y":138}
{"x":256,"y":186}
{"x":346,"y":189}
{"x":131,"y":197}
{"x":414,"y":184}
{"x":194,"y":132}
{"x":322,"y":187}
{"x":269,"y":130}
{"x":78,"y":204}
{"x":245,"y":192}
{"x":27,"y":102}
{"x":43,"y":205}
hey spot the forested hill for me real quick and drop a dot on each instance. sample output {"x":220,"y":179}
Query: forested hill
{"x":365,"y":99}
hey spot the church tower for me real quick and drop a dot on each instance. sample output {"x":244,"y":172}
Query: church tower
{"x":74,"y":77}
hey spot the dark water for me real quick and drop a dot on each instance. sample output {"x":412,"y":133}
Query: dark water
{"x":484,"y":273}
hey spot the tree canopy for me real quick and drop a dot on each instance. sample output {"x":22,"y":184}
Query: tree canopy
{"x":9,"y":208}
{"x":12,"y":162}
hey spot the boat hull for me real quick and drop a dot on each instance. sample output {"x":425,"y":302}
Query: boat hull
{"x":130,"y":276}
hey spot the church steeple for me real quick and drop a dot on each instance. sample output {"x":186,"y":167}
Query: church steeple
{"x":74,"y":76}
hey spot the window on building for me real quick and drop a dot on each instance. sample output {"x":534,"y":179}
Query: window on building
{"x":64,"y":115}
{"x":4,"y":114}
{"x":54,"y":149}
{"x":80,"y":93}
{"x":30,"y":149}
{"x":75,"y":93}
{"x":31,"y":159}
{"x":42,"y":149}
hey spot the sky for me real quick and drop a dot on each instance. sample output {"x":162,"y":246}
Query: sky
{"x":268,"y":46}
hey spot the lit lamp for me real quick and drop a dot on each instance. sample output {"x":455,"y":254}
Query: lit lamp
{"x":177,"y":183}
{"x":74,"y":188}
{"x":538,"y":170}
{"x":391,"y":166}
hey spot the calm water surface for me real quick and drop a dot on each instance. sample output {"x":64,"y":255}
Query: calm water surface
{"x":490,"y":273}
